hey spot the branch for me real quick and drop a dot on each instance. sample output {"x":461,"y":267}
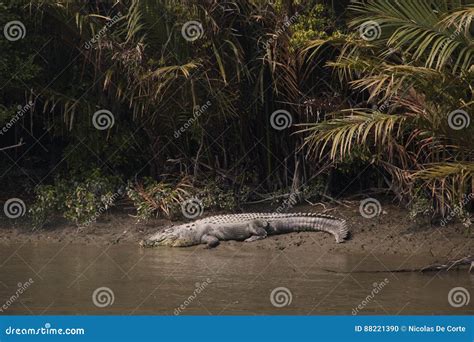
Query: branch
{"x":21,"y":143}
{"x":449,"y":265}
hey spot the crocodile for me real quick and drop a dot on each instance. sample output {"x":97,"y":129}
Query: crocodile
{"x":245,"y":227}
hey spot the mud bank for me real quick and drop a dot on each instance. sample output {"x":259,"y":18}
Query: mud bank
{"x":393,"y":232}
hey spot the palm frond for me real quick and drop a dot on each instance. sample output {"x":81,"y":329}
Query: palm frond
{"x":353,"y":130}
{"x":427,"y":30}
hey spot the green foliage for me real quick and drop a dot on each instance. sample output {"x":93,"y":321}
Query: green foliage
{"x":19,"y":52}
{"x":152,"y":79}
{"x":165,"y":198}
{"x":80,"y":201}
{"x":248,"y":61}
{"x":49,"y":199}
{"x":418,"y":63}
{"x":317,"y":23}
{"x":216,"y":196}
{"x":421,"y":205}
{"x":18,"y":65}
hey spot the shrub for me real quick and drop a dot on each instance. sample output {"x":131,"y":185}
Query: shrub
{"x":78,"y":200}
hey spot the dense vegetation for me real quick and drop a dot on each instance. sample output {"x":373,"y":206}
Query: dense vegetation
{"x":235,"y":101}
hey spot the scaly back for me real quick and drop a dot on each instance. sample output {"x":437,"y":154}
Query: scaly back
{"x":237,"y":218}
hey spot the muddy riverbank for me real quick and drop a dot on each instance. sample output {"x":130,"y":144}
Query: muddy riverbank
{"x":393,"y":232}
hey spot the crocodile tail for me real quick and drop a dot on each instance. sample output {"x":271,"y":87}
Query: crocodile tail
{"x":320,"y":222}
{"x":342,"y":232}
{"x":336,"y":226}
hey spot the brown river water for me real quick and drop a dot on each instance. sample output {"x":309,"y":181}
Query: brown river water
{"x":228,"y":280}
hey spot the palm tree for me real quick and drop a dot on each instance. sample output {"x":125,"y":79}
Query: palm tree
{"x":413,"y":60}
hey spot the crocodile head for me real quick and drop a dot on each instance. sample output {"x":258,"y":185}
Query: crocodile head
{"x":177,"y":236}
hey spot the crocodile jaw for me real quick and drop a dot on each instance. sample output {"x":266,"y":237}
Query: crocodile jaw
{"x":171,"y":237}
{"x":170,"y":242}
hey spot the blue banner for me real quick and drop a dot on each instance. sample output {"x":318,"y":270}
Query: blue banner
{"x":237,"y":328}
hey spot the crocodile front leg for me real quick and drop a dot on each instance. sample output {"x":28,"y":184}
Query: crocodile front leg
{"x":257,"y":229}
{"x":210,"y":241}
